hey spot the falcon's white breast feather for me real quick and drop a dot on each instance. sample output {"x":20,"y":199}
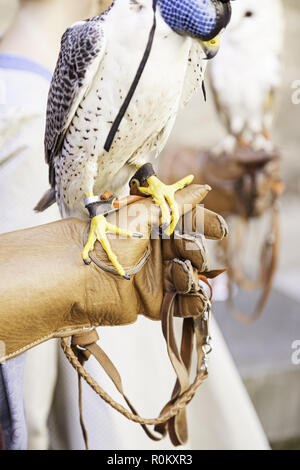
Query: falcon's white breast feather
{"x":169,"y":80}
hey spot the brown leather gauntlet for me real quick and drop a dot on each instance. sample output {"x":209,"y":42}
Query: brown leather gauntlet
{"x":46,"y":292}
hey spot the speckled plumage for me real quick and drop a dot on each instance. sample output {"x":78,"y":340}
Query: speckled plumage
{"x":80,"y":45}
{"x":96,"y":66}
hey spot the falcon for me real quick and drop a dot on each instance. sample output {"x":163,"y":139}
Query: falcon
{"x":245,"y":91}
{"x":112,"y":103}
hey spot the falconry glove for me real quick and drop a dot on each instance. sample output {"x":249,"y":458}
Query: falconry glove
{"x":48,"y":293}
{"x":246,"y":184}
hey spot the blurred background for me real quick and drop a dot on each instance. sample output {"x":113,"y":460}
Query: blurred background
{"x":263,"y":351}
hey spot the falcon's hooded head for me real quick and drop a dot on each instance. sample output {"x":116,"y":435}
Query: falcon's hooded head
{"x":200,"y":19}
{"x":203,"y":20}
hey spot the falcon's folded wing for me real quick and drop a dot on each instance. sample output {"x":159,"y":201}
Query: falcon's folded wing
{"x":82,"y":50}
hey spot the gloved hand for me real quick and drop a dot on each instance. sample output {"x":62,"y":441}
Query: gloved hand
{"x":46,"y":291}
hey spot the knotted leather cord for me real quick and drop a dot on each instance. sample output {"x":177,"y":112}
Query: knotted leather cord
{"x":88,"y":341}
{"x":180,"y":399}
{"x":268,"y":266}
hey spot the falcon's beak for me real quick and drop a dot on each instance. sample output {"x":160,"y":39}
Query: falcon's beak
{"x":211,"y":47}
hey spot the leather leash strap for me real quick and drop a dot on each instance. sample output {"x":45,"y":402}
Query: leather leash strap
{"x":2,"y":444}
{"x":181,"y":362}
{"x":198,"y":327}
{"x":173,"y":416}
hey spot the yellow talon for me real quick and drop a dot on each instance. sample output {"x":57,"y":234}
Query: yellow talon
{"x":98,"y":230}
{"x":164,"y":195}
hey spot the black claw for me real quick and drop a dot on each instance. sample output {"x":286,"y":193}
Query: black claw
{"x":137,"y":235}
{"x":127,"y":277}
{"x":159,"y":232}
{"x":156,"y":233}
{"x":87,"y":262}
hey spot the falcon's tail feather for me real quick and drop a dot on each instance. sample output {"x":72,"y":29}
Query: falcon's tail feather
{"x":47,"y":200}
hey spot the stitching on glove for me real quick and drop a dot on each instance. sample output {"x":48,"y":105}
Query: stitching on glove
{"x":110,"y":269}
{"x":58,"y":334}
{"x":188,"y":269}
{"x":199,"y":241}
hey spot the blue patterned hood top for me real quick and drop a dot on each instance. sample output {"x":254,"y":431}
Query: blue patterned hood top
{"x":202,"y":19}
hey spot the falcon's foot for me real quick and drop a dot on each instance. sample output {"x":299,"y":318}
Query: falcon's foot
{"x":258,"y":142}
{"x":262,"y":143}
{"x":164,"y":196}
{"x":227,"y":145}
{"x":98,"y":230}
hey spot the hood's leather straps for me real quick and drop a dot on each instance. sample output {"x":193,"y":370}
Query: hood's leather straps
{"x":172,"y":418}
{"x":268,"y":266}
